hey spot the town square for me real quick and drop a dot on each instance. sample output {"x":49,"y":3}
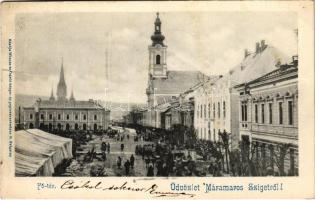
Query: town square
{"x":94,"y":107}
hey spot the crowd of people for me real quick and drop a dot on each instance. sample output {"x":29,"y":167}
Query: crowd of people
{"x":160,"y":156}
{"x":164,"y":158}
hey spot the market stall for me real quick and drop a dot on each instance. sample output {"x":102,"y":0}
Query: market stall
{"x":38,"y":153}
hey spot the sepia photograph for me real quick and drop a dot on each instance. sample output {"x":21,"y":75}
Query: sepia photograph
{"x":156,"y":94}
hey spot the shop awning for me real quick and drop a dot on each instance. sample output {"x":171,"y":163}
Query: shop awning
{"x":37,"y":153}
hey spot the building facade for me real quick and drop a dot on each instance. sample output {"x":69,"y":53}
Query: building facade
{"x":220,"y":99}
{"x":66,"y":114}
{"x":269,"y":118}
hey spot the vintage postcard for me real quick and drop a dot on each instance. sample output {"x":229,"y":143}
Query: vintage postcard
{"x":149,"y":100}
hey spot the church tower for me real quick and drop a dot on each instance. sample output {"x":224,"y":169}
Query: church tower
{"x":157,"y":52}
{"x":62,"y":87}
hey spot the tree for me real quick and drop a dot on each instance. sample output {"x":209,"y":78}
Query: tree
{"x":282,"y":150}
{"x":225,"y":142}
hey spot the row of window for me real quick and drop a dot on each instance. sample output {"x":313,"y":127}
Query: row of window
{"x":202,"y":132}
{"x":68,"y":127}
{"x":50,"y":117}
{"x":202,"y":110}
{"x":261,"y":118}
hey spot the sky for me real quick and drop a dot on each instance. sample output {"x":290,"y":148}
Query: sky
{"x":211,"y":42}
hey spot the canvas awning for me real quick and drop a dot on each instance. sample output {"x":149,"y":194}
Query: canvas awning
{"x":37,"y":153}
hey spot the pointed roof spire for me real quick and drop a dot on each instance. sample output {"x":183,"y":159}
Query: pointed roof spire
{"x":62,"y":76}
{"x":52,"y":98}
{"x":62,"y":87}
{"x":72,"y":96}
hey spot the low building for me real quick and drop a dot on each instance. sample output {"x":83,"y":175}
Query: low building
{"x":67,"y":115}
{"x":135,"y":117}
{"x":268,"y":118}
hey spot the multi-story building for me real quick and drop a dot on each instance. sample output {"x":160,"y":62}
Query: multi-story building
{"x":223,"y":97}
{"x":202,"y":104}
{"x":66,"y":114}
{"x":269,"y":118}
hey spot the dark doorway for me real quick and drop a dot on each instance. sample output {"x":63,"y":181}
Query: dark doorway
{"x":67,"y":127}
{"x":59,"y":126}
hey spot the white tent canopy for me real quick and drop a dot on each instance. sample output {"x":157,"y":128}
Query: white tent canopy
{"x":37,"y":153}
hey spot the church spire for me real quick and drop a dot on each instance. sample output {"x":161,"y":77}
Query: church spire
{"x":52,"y":97}
{"x":62,"y":76}
{"x":72,"y":96}
{"x":157,"y":37}
{"x":62,"y":87}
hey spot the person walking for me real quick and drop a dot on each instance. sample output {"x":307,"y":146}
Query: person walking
{"x":165,"y":170}
{"x":132,"y":161}
{"x":108,"y":148}
{"x":119,"y":162}
{"x":104,"y":156}
{"x":122,"y":146}
{"x":103,"y":147}
{"x":127,"y":167}
{"x":147,"y":162}
{"x":150,"y":170}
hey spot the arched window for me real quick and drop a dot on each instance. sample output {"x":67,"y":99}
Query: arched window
{"x":76,"y":126}
{"x":95,"y":127}
{"x":84,"y":126}
{"x":158,"y":59}
{"x":67,"y":127}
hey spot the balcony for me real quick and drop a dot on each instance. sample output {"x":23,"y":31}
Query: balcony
{"x":288,"y":131}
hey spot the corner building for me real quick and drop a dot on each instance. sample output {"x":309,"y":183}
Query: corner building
{"x":269,"y":118}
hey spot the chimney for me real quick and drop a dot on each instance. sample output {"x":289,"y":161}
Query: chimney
{"x":246,"y":53}
{"x":257,"y":47}
{"x":262,"y":45}
{"x":295,"y":60}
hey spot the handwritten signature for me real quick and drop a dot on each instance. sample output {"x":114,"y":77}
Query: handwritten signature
{"x":153,"y":189}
